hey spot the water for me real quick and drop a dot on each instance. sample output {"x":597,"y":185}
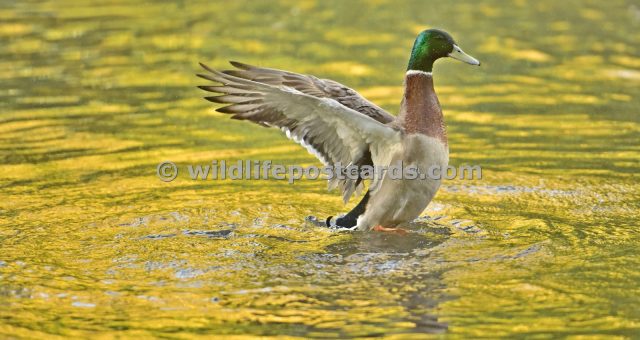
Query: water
{"x":95,"y":95}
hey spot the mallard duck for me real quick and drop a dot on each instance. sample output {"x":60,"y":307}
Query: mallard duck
{"x":339,"y":126}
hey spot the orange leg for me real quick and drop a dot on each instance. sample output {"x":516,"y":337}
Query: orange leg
{"x":398,"y":231}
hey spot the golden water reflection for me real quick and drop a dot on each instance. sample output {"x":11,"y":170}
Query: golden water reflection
{"x":94,"y":95}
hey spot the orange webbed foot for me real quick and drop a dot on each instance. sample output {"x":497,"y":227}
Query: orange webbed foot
{"x":398,"y":231}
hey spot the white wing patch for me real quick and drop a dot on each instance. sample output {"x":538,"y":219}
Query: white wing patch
{"x":307,"y":146}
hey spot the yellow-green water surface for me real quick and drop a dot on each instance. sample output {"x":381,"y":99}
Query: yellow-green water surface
{"x":94,"y":94}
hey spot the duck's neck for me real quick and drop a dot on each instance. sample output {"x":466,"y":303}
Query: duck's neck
{"x":420,"y":111}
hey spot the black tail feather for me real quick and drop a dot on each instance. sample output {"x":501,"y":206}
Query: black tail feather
{"x":351,"y":219}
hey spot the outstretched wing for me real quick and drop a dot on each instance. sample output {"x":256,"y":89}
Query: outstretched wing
{"x":332,"y":132}
{"x":307,"y":84}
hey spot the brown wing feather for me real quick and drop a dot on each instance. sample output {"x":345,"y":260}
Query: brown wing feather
{"x":313,"y":86}
{"x":332,"y":132}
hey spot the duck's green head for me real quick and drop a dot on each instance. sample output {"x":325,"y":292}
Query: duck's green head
{"x":433,"y":44}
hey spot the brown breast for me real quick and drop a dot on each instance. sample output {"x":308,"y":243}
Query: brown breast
{"x":420,"y":110}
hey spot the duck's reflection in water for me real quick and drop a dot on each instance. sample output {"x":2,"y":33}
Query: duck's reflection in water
{"x":391,"y":271}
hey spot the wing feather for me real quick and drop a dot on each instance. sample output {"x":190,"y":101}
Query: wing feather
{"x":334,"y":133}
{"x":313,"y":86}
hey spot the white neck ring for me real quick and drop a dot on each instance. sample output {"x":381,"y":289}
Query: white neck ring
{"x":413,"y":72}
